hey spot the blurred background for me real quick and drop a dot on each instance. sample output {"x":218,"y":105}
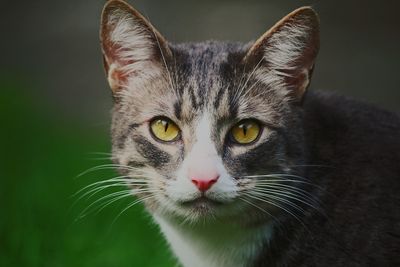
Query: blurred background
{"x":55,"y":103}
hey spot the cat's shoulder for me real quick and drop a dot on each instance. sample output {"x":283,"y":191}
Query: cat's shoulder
{"x":350,"y":131}
{"x":332,"y":109}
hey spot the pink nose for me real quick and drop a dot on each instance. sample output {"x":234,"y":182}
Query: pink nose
{"x":204,"y":184}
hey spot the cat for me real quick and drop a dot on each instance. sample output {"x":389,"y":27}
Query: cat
{"x":237,"y":162}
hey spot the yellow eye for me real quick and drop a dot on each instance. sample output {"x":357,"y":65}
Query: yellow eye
{"x":245,"y":131}
{"x":164,"y":129}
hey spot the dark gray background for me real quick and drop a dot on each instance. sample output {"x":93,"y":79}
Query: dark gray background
{"x":54,"y":45}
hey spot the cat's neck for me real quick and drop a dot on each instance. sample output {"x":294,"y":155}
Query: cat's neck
{"x":215,"y":244}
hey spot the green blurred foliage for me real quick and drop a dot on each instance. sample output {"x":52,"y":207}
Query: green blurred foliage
{"x":41,"y":156}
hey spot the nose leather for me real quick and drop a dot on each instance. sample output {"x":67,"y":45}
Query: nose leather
{"x":203,"y":184}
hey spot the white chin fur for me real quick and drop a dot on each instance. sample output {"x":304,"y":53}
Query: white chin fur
{"x":214,"y":244}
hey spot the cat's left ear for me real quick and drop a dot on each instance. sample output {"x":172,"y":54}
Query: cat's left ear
{"x":133,"y":50}
{"x":284,"y":56}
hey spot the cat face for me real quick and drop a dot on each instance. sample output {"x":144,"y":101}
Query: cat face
{"x":200,"y":128}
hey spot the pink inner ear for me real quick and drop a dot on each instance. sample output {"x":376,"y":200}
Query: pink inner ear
{"x":114,"y":66}
{"x":299,"y":81}
{"x":117,"y":75}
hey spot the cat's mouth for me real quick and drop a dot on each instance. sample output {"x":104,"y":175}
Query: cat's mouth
{"x":201,"y":202}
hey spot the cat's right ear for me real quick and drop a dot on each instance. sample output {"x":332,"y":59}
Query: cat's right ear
{"x":133,"y":50}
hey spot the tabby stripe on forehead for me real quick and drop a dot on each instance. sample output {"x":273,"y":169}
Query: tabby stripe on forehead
{"x":218,"y":98}
{"x":233,"y":103}
{"x":193,"y":98}
{"x":178,"y":110}
{"x":155,"y":156}
{"x":205,"y":85}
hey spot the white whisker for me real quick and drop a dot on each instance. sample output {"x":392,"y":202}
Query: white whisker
{"x":131,"y":194}
{"x":259,"y":208}
{"x":290,"y":192}
{"x":139,"y":200}
{"x":271,"y":202}
{"x":117,"y":178}
{"x":87,"y":209}
{"x":240,"y":90}
{"x":106,"y":167}
{"x":98,"y":189}
{"x":288,"y":188}
{"x":276,"y":196}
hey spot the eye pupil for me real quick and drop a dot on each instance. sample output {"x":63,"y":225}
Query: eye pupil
{"x":244,"y":127}
{"x":165,"y":126}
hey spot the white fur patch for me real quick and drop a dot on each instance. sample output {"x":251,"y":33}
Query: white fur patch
{"x":202,"y":155}
{"x":215,"y":245}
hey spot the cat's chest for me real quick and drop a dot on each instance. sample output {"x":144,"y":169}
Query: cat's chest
{"x":216,"y":245}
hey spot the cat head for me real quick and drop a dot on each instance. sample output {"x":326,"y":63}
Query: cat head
{"x":199,"y":129}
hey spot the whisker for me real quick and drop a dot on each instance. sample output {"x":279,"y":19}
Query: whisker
{"x":131,"y":193}
{"x":286,"y":188}
{"x":275,"y":196}
{"x":98,"y":189}
{"x":111,"y":166}
{"x":291,"y":192}
{"x":100,"y":153}
{"x":274,"y":181}
{"x":85,"y":211}
{"x":282,"y":178}
{"x":271,"y":202}
{"x":105,"y":167}
{"x":277,"y":175}
{"x":288,"y":195}
{"x":240,"y":90}
{"x":250,"y":89}
{"x":260,"y":208}
{"x":114,"y":179}
{"x":127,"y":193}
{"x":113,"y":198}
{"x":310,"y":165}
{"x":139,"y":200}
{"x":164,"y":61}
{"x":106,"y":156}
{"x":98,"y":158}
{"x":117,"y":178}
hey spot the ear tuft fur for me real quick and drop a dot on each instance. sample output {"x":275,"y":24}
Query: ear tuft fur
{"x":131,"y":46}
{"x":286,"y":53}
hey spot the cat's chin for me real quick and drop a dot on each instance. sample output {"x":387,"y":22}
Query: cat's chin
{"x":196,"y":209}
{"x":201,"y":207}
